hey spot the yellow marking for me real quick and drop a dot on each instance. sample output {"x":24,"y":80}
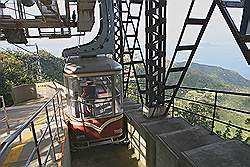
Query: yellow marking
{"x":13,"y":155}
{"x":16,"y":151}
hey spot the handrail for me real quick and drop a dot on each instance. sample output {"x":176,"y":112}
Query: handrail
{"x":30,"y":122}
{"x":6,"y":119}
{"x":214,"y":106}
{"x":218,"y":91}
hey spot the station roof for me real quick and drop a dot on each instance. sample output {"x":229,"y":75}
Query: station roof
{"x":93,"y":66}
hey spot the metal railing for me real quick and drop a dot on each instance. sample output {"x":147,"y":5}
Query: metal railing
{"x":52,"y":110}
{"x":5,"y":115}
{"x":214,"y":106}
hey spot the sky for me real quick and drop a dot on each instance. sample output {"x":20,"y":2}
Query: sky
{"x":217,"y":47}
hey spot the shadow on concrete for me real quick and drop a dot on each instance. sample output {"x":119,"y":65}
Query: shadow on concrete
{"x":104,"y":156}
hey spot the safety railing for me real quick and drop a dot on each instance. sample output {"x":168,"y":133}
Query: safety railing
{"x":52,"y":112}
{"x":5,"y":115}
{"x":210,"y":108}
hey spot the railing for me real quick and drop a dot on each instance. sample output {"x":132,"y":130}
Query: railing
{"x":52,"y":110}
{"x":5,"y":115}
{"x":212,"y":108}
{"x":209,"y":110}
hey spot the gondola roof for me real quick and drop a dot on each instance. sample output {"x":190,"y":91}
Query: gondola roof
{"x":91,"y":66}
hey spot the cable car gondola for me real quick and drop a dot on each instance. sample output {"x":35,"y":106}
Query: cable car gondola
{"x":94,"y":97}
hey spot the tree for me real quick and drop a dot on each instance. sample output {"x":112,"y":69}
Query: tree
{"x":247,"y":121}
{"x":227,"y":132}
{"x":17,"y":68}
{"x":238,"y":134}
{"x":196,"y":109}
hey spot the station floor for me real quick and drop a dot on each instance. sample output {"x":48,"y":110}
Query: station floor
{"x":104,"y":156}
{"x":17,"y":154}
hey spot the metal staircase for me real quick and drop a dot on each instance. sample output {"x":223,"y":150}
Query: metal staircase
{"x":133,"y":61}
{"x":181,"y":71}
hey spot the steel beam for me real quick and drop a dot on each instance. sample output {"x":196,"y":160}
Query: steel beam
{"x":156,"y":41}
{"x":32,"y":23}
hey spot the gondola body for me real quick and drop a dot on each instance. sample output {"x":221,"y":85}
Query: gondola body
{"x":94,"y":96}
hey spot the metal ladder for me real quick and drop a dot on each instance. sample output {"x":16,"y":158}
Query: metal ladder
{"x":134,"y":66}
{"x":182,"y":70}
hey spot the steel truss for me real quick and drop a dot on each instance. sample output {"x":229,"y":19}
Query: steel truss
{"x":134,"y":68}
{"x":156,"y":25}
{"x":171,"y":87}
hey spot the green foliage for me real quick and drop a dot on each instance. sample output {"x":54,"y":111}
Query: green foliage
{"x":227,"y":132}
{"x":247,"y":121}
{"x":213,"y":77}
{"x":52,"y":67}
{"x":238,"y":134}
{"x":17,"y":68}
{"x":196,"y":108}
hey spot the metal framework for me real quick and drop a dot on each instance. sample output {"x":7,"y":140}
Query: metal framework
{"x":118,"y":32}
{"x":172,"y":87}
{"x":104,"y":42}
{"x":156,"y":25}
{"x":134,"y":69}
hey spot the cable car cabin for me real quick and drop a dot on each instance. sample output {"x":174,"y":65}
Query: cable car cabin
{"x":94,"y":97}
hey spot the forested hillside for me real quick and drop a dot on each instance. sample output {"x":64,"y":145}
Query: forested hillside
{"x":213,"y":77}
{"x":18,"y":68}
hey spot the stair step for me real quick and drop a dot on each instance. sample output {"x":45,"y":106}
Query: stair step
{"x":169,"y":146}
{"x":194,"y":21}
{"x":158,"y":127}
{"x":185,"y":47}
{"x":223,"y":154}
{"x":177,"y":69}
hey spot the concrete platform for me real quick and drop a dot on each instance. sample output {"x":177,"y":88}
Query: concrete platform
{"x":18,"y":153}
{"x":225,"y":154}
{"x":105,"y":156}
{"x":170,"y":145}
{"x":136,"y":132}
{"x":156,"y":128}
{"x":18,"y":114}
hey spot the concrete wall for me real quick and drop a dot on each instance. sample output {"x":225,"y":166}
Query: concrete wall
{"x":47,"y":89}
{"x":27,"y":92}
{"x":23,"y":93}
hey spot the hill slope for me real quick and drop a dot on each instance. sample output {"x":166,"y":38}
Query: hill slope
{"x":213,"y":77}
{"x":18,"y":68}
